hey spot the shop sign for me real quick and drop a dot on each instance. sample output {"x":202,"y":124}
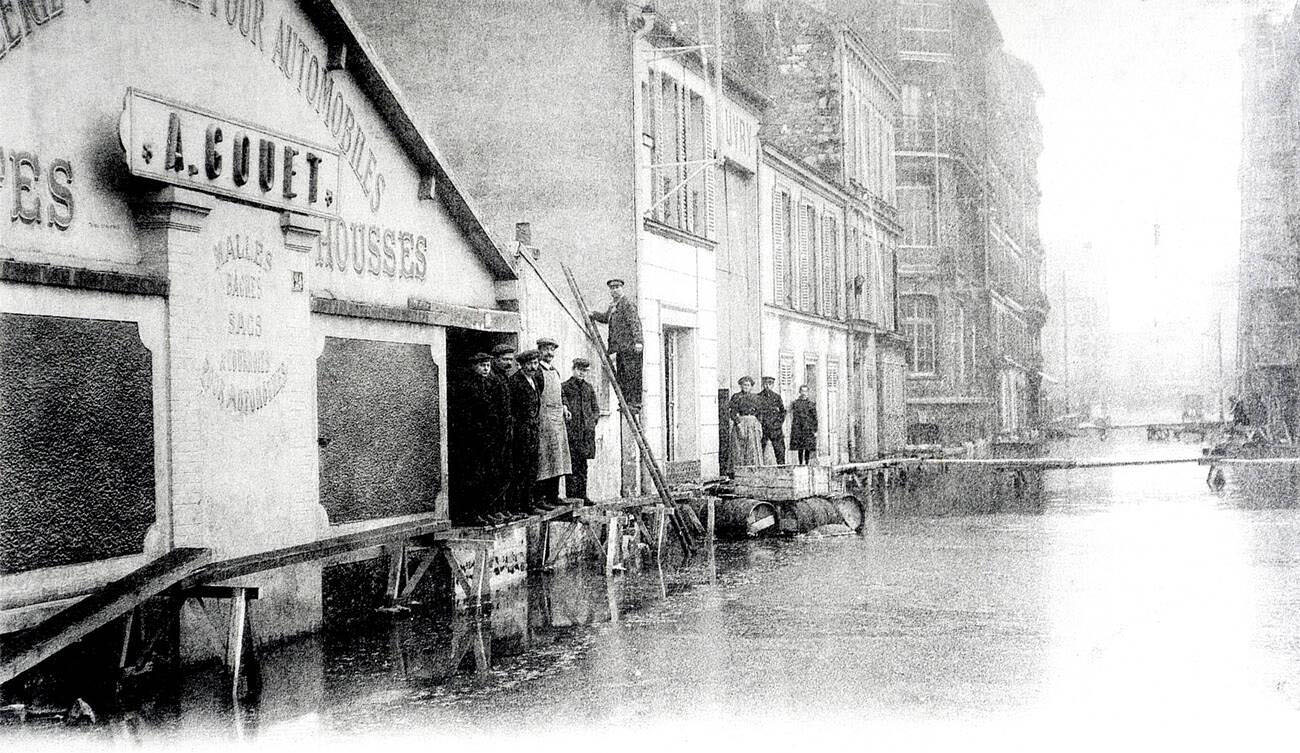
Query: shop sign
{"x":189,"y":147}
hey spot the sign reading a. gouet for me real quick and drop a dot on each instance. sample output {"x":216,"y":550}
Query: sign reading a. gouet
{"x":186,"y":146}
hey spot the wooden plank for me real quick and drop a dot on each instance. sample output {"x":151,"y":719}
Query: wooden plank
{"x":98,"y":609}
{"x":313,"y":550}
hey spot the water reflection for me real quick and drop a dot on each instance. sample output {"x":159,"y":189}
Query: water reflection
{"x":1117,"y":596}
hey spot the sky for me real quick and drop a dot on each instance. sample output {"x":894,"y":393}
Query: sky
{"x":1141,"y":123}
{"x":1142,"y":128}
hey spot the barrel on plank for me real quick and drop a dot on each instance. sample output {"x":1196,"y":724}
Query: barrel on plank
{"x":744,"y":518}
{"x":809,"y":514}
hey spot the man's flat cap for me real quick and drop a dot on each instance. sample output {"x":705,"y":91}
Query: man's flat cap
{"x":503,"y":349}
{"x":615,"y":283}
{"x":480,"y":358}
{"x":542,"y":341}
{"x":581,"y":363}
{"x":528,"y":355}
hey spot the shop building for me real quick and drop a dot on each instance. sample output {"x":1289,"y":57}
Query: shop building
{"x":235,"y":277}
{"x":603,"y":137}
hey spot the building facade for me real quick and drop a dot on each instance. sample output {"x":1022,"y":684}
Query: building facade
{"x":628,"y":160}
{"x":831,"y":230}
{"x":231,"y":293}
{"x":1268,"y":347}
{"x":966,"y":143}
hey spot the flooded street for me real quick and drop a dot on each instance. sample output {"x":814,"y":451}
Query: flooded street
{"x":1137,"y":596}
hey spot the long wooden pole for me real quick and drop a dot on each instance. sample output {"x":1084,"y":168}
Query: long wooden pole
{"x":593,"y":334}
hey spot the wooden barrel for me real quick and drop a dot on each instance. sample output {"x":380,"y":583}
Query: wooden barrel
{"x":743,"y":518}
{"x":808,"y":514}
{"x":852,"y":510}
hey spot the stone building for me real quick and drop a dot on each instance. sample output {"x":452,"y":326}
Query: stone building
{"x":967,"y":140}
{"x":1268,"y":346}
{"x":831,"y":230}
{"x":235,"y":278}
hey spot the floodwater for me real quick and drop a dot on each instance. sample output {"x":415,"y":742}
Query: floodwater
{"x":1130,"y":605}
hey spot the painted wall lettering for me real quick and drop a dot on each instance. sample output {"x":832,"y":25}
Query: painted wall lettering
{"x":304,"y":65}
{"x":20,"y":19}
{"x":364,"y":249}
{"x":40,"y":191}
{"x":189,"y":147}
{"x":244,"y":376}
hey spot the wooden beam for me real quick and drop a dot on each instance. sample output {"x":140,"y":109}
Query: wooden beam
{"x":313,"y":550}
{"x":98,"y":609}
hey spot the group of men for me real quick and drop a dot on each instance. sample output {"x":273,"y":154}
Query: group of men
{"x":518,"y":430}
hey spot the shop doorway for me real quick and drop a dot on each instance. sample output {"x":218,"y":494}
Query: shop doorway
{"x":465,"y":498}
{"x":681,"y":407}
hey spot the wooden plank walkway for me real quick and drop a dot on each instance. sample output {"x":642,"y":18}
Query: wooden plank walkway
{"x":98,"y":609}
{"x":1050,"y":464}
{"x":236,"y":567}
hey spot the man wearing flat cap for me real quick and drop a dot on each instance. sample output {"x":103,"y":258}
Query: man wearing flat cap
{"x":525,"y":403}
{"x":481,"y":429}
{"x":553,"y":460}
{"x":625,"y":341}
{"x":771,"y":414}
{"x":503,"y":361}
{"x":584,"y":412}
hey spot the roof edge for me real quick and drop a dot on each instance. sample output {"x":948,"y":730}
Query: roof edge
{"x":382,"y":90}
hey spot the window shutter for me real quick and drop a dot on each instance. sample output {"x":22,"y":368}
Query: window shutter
{"x":659,"y":176}
{"x":786,"y":375}
{"x":830,"y":262}
{"x":780,"y":249}
{"x":710,"y":229}
{"x":803,"y":274}
{"x":681,"y":93}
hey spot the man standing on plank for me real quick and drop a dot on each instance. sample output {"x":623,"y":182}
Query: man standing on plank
{"x":584,"y":412}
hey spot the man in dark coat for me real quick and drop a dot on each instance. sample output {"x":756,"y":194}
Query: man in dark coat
{"x":503,"y":362}
{"x":626,"y":341}
{"x":525,"y":403}
{"x":771,"y":415}
{"x":803,"y":426}
{"x":481,"y":431}
{"x":580,"y":400}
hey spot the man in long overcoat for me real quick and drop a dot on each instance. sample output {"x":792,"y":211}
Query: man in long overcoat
{"x":553,"y":460}
{"x":580,"y":400}
{"x":803,"y":426}
{"x":771,"y":414}
{"x":626,"y":341}
{"x":525,"y":402}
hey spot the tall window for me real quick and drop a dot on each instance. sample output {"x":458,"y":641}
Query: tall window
{"x":807,"y":243}
{"x":830,"y":273}
{"x":782,"y":247}
{"x":916,"y":211}
{"x":915,"y":120}
{"x":924,"y":26}
{"x":917,"y":322}
{"x":679,"y":124}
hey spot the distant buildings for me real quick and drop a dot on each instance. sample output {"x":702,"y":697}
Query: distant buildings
{"x":1268,"y":356}
{"x":967,"y":142}
{"x":1077,"y":343}
{"x":855,"y":210}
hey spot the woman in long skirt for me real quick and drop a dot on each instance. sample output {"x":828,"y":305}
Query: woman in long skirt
{"x":745,"y":428}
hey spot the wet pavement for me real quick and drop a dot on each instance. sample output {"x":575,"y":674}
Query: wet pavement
{"x":1131,"y":603}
